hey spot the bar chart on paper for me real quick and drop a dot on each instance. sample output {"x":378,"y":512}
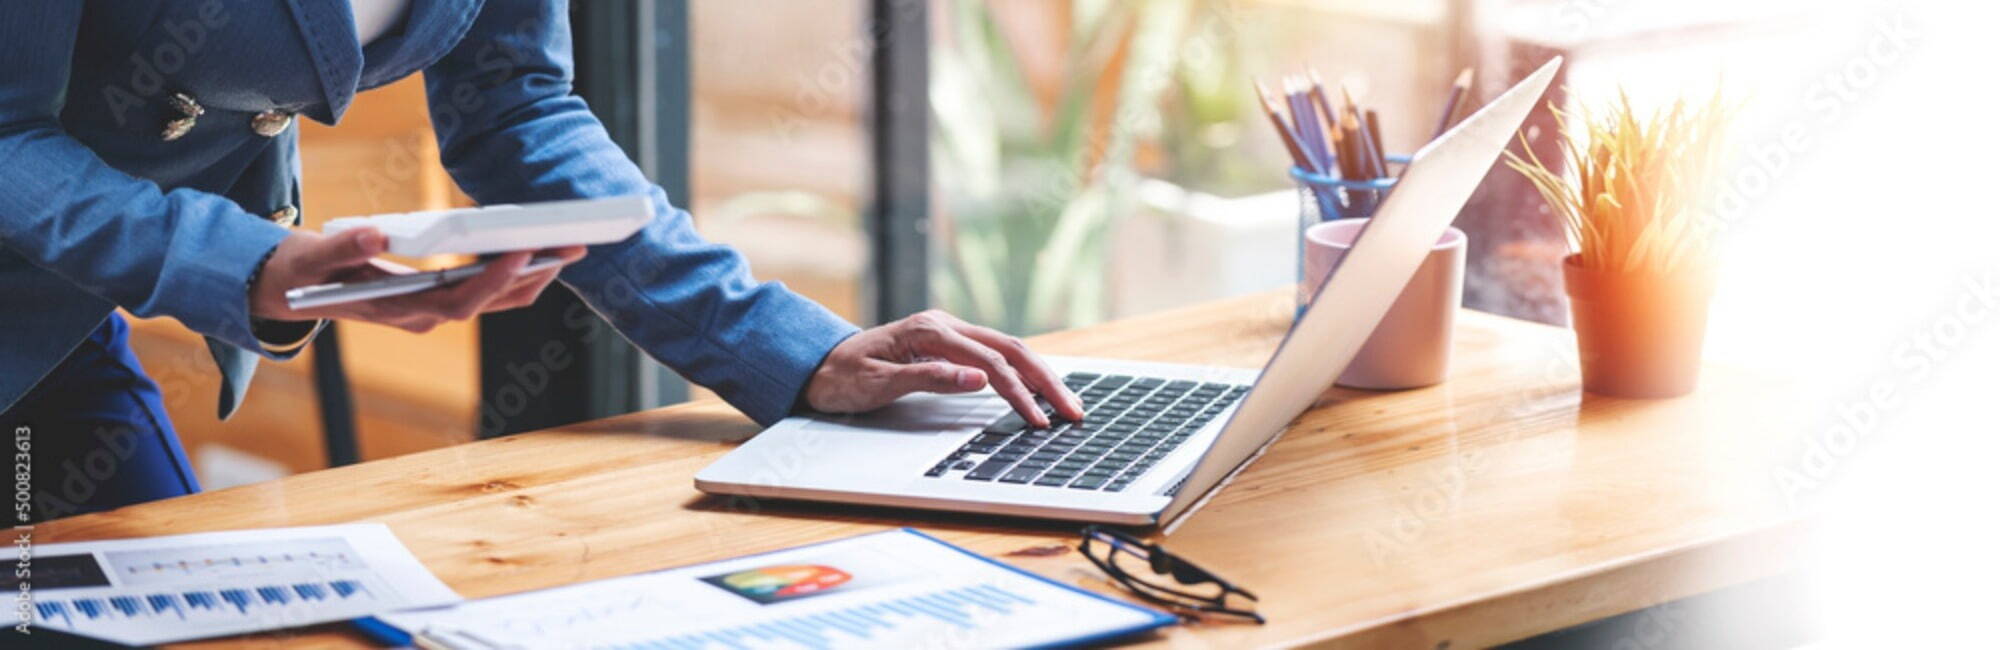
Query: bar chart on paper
{"x":156,"y":590}
{"x":199,"y":606}
{"x":893,"y":589}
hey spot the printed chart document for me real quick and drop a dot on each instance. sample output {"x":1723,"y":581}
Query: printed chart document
{"x":898,"y":588}
{"x":161,"y":589}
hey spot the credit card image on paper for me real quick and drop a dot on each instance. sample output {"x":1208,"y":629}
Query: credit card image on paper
{"x":321,"y":295}
{"x":781,"y":582}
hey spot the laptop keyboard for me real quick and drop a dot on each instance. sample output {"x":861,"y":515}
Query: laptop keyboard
{"x":1129,"y":424}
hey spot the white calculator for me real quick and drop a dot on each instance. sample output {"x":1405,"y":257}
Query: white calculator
{"x":504,"y":228}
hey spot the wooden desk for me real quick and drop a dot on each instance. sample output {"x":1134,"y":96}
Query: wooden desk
{"x":1499,"y":505}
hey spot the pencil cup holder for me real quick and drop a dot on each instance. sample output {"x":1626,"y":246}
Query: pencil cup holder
{"x":1326,"y":198}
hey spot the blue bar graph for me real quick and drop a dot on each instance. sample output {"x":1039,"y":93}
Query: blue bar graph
{"x":959,"y":608}
{"x":238,"y":598}
{"x":199,"y":599}
{"x":346,"y":588}
{"x":51,"y":611}
{"x":190,"y":604}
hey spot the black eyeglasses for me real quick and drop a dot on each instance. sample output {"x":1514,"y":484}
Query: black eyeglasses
{"x":1119,"y":555}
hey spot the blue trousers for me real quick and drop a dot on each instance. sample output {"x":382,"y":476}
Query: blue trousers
{"x":96,"y":434}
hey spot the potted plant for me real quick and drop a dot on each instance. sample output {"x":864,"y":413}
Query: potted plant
{"x":1643,"y":270}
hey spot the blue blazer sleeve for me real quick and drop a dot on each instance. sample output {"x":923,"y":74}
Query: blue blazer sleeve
{"x":511,"y":131}
{"x":184,"y":253}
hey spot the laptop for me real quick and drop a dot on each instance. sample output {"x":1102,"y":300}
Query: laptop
{"x":1157,"y":438}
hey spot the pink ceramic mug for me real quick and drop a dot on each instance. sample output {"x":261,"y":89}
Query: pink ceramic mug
{"x":1411,"y":346}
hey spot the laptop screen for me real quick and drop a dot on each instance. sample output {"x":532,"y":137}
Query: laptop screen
{"x":1441,"y":176}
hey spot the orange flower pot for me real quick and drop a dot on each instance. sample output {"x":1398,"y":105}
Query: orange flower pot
{"x":1638,"y":335}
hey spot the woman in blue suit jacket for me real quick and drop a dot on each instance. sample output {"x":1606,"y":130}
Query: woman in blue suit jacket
{"x":148,"y":160}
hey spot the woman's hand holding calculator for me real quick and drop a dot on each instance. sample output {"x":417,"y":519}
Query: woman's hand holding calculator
{"x":337,"y":277}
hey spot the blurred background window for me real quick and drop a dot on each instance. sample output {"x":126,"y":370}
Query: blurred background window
{"x":1096,"y":160}
{"x":779,"y":152}
{"x":1103,"y":159}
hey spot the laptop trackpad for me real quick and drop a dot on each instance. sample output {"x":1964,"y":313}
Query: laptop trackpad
{"x":921,"y":413}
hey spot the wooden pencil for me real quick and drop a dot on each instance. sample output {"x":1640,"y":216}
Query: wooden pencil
{"x":1331,"y":117}
{"x":1353,"y":164}
{"x":1371,"y":167}
{"x":1459,"y":87}
{"x":1374,"y":127}
{"x":1356,"y":150}
{"x":1353,"y":129}
{"x":1285,"y":133}
{"x":1344,"y":153}
{"x":1306,"y":122}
